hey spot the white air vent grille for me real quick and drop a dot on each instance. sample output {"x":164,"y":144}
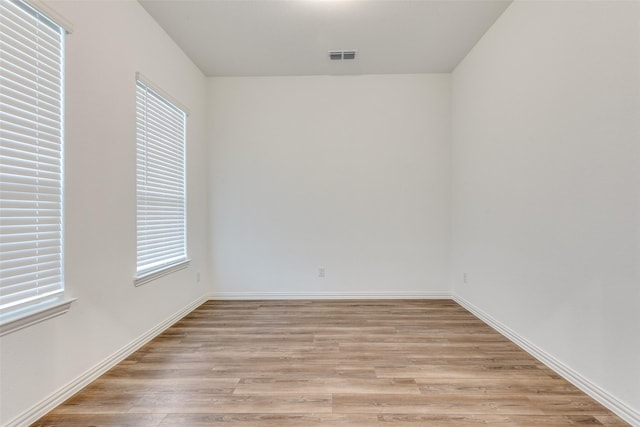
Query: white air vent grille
{"x":342,"y":55}
{"x":350,"y":54}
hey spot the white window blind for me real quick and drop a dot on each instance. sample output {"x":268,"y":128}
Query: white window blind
{"x":161,"y":196}
{"x":31,"y":157}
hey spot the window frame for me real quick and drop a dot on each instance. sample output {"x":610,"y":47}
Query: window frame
{"x":145,"y":275}
{"x":29,"y":16}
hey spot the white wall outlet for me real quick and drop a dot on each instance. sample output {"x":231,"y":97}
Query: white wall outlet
{"x":464,"y":278}
{"x":321,"y":271}
{"x":198,"y":277}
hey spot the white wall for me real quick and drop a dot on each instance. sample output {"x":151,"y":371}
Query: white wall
{"x":346,"y":172}
{"x":110,"y":42}
{"x":546,"y":183}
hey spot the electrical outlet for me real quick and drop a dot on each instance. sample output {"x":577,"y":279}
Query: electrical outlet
{"x":198,"y":277}
{"x":464,"y":278}
{"x":321,"y":272}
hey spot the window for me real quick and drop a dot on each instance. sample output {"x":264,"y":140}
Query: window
{"x":31,"y":167}
{"x":161,"y":196}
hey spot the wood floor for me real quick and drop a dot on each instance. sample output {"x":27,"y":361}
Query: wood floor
{"x":330,"y":363}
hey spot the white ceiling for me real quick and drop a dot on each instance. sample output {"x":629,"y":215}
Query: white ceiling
{"x":292,"y":37}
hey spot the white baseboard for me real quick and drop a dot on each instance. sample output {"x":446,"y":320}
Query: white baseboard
{"x":328,"y":295}
{"x":40,"y":409}
{"x":606,"y":399}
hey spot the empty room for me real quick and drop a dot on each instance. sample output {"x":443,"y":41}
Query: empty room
{"x":319,"y":212}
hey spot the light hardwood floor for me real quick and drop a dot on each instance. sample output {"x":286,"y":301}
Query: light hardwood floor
{"x":330,"y":363}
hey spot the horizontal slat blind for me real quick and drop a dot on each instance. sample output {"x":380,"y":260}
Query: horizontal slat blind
{"x":31,"y":156}
{"x":161,"y":197}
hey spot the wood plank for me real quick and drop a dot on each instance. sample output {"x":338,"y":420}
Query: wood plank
{"x":265,"y":386}
{"x":270,"y":420}
{"x":180,"y":403}
{"x":100,"y":420}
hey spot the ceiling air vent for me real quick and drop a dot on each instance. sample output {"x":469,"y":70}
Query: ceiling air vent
{"x":349,"y":54}
{"x":340,"y":55}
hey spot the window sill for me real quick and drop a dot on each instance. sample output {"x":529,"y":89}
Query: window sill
{"x":153,"y":275}
{"x":12,"y":322}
